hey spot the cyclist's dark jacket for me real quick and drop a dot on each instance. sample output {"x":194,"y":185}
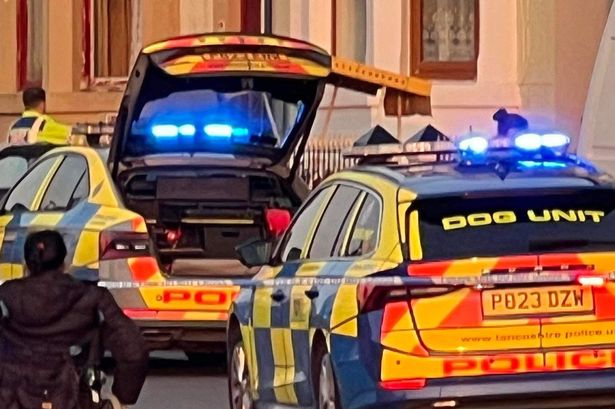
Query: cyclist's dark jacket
{"x":49,"y":313}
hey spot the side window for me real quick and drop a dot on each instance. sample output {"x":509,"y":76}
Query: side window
{"x":364,"y":236}
{"x":296,"y":237}
{"x":24,"y":192}
{"x":11,"y":169}
{"x":333,"y":218}
{"x":67,"y":186}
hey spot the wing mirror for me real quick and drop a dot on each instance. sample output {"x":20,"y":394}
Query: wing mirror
{"x":254,"y":253}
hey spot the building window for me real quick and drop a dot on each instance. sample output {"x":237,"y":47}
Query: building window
{"x":349,"y":29}
{"x":251,"y":16}
{"x":29,"y":43}
{"x":112,"y":40}
{"x":444,"y":38}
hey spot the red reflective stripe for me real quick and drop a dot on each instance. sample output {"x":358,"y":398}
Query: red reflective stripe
{"x":139,"y":313}
{"x":143,"y":268}
{"x":468,"y":313}
{"x":505,"y":263}
{"x":604,"y":303}
{"x":560,"y":259}
{"x":393,"y":312}
{"x":437,"y":268}
{"x":404,"y":384}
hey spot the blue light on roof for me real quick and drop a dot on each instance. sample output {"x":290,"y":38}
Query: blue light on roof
{"x":476,"y":145}
{"x":218,"y":130}
{"x":241,"y":132}
{"x":541,"y":164}
{"x":225,"y":131}
{"x":555,"y":140}
{"x":528,"y":141}
{"x":187,"y":130}
{"x":165,"y":131}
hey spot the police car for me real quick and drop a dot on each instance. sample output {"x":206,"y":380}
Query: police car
{"x":484,"y":280}
{"x":204,"y":156}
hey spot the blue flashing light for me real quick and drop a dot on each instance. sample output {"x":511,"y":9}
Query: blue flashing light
{"x":187,"y":130}
{"x":534,"y":141}
{"x":528,"y":141}
{"x":165,"y":131}
{"x":540,"y":164}
{"x":555,"y":140}
{"x":476,"y":145}
{"x":218,"y":130}
{"x":241,"y":132}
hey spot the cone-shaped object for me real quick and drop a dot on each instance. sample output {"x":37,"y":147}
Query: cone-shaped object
{"x":376,"y":136}
{"x":428,"y":134}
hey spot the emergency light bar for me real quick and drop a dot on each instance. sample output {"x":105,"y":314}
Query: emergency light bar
{"x":530,"y":150}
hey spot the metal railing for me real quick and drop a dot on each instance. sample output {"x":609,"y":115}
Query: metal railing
{"x":323,"y":156}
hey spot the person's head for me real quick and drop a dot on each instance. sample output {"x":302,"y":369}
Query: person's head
{"x":509,"y":124}
{"x":34,"y":99}
{"x":44,"y":251}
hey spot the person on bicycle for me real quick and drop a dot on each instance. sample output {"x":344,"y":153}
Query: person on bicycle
{"x":49,"y":314}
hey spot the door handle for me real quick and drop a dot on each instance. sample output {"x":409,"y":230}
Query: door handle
{"x":311,"y":293}
{"x":278,"y":295}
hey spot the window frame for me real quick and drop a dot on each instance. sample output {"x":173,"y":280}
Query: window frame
{"x":89,"y":80}
{"x":444,"y":70}
{"x":277,"y":254}
{"x":39,"y":205}
{"x":356,"y":215}
{"x":364,"y":193}
{"x":350,"y":215}
{"x":22,"y":60}
{"x":56,"y":161}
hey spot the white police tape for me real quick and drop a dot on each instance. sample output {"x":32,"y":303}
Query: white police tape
{"x":389,"y":281}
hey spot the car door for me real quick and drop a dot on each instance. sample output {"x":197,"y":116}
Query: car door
{"x":64,"y":207}
{"x":270,"y":323}
{"x":321,"y":258}
{"x":61,"y":205}
{"x":17,"y":213}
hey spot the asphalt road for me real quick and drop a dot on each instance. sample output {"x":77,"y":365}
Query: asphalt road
{"x":175,"y":382}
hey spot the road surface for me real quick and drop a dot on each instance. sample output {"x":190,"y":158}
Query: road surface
{"x":174,"y":382}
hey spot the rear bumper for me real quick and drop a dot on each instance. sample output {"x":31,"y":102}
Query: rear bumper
{"x":571,"y":389}
{"x":189,"y":336}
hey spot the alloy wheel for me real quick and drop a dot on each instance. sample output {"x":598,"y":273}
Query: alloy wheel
{"x":326,"y":395}
{"x":241,"y":395}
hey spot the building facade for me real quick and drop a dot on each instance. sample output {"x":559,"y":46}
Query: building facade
{"x":531,"y":56}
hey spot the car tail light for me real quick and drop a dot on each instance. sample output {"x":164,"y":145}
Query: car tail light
{"x":116,"y":244}
{"x":374,"y":297}
{"x":404,"y":384}
{"x":591,"y":280}
{"x":172,"y":236}
{"x":278,"y":221}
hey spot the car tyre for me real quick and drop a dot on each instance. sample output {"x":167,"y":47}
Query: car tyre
{"x":326,"y":394}
{"x":240,"y":393}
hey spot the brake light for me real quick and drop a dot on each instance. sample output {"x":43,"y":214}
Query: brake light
{"x":118,"y":244}
{"x":404,"y":384}
{"x":591,"y":281}
{"x":374,"y":297}
{"x":173,"y":236}
{"x":278,"y":221}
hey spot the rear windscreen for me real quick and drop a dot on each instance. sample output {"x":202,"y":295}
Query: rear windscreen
{"x":464,"y":227}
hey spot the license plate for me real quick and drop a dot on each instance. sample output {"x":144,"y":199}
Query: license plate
{"x":536,"y":301}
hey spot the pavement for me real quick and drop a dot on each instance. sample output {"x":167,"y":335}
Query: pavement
{"x":178,"y":383}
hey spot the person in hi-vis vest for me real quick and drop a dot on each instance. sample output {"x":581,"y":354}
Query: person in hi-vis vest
{"x":34,"y":125}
